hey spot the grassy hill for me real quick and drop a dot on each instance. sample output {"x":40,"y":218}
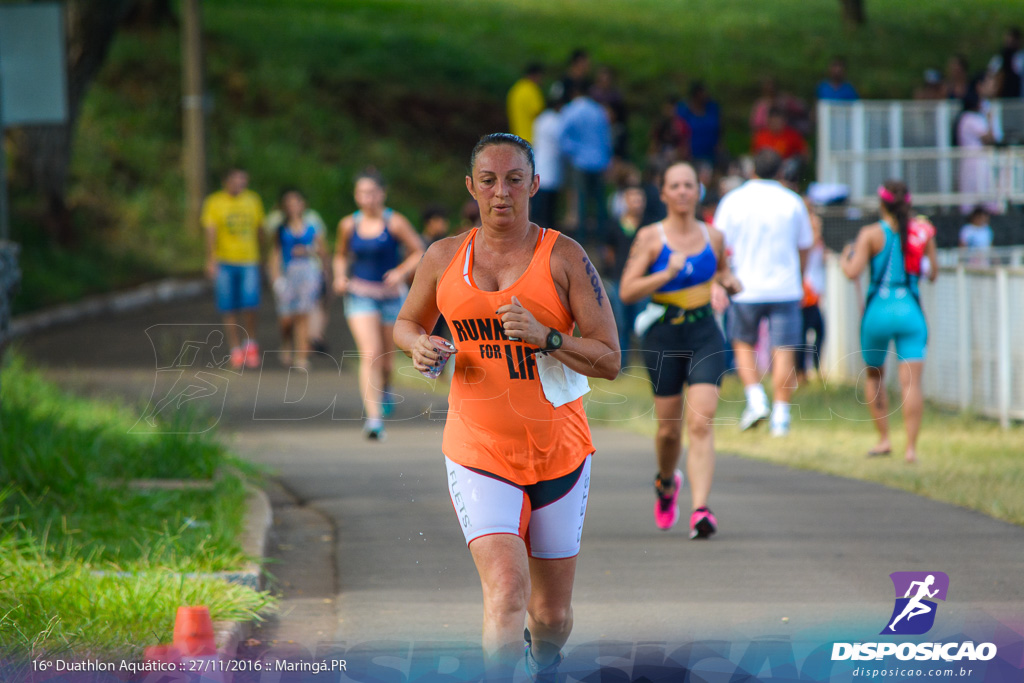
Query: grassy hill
{"x":306,"y":92}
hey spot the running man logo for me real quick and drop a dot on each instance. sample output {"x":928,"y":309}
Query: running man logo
{"x":914,"y":611}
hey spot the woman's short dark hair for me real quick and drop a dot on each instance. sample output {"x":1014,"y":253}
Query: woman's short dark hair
{"x":371,"y":174}
{"x":503,"y":139}
{"x":287,"y":190}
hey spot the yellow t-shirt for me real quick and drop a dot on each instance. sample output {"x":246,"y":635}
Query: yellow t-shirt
{"x":525,"y":101}
{"x":237,"y":221}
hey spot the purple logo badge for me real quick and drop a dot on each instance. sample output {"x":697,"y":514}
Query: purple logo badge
{"x":916,"y":592}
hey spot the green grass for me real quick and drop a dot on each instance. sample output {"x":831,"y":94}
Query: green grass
{"x":65,"y":609}
{"x":90,"y":566}
{"x":67,"y":461}
{"x":307,"y":92}
{"x":963,"y":460}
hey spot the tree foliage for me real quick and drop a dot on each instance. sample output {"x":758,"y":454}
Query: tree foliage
{"x":854,"y":12}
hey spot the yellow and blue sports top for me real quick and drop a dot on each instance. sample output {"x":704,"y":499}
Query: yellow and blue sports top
{"x":691,"y":287}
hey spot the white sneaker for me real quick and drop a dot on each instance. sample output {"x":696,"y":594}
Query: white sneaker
{"x":752,"y":415}
{"x":374,"y":430}
{"x":780,"y":428}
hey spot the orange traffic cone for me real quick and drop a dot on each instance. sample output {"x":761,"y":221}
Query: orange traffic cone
{"x":193,"y":632}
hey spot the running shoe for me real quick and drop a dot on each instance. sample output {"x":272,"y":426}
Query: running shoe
{"x":752,"y":415}
{"x":237,"y":358}
{"x":780,"y":427}
{"x":702,"y":523}
{"x":538,"y":673}
{"x":374,"y":431}
{"x":666,"y":507}
{"x":252,"y":355}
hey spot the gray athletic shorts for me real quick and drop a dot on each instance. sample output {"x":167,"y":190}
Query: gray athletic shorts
{"x":785,"y":322}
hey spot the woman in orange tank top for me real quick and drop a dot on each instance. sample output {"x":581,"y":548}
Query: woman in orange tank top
{"x":517,"y":451}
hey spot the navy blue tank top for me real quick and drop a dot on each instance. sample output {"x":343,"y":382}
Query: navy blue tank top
{"x":375,"y":256}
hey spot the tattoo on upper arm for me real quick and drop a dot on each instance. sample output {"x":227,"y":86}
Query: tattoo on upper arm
{"x":595,"y":280}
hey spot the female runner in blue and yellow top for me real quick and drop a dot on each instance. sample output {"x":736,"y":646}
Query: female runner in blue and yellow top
{"x":892,"y":311}
{"x":674,"y":262}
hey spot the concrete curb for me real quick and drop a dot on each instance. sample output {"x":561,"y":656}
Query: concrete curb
{"x":161,"y":291}
{"x":259,"y":518}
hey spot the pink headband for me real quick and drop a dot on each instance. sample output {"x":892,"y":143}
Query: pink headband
{"x":889,"y":198}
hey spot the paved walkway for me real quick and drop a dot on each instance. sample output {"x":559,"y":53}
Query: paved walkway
{"x":365,"y":546}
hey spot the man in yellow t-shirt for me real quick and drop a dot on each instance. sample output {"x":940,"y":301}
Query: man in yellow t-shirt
{"x":233,"y":219}
{"x":525,"y":101}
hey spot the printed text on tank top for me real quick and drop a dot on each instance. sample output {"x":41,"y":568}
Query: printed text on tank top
{"x":691,"y":287}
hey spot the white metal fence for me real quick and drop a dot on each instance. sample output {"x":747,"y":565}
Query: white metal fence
{"x":982,"y":258}
{"x":975,"y":337}
{"x":860,"y":144}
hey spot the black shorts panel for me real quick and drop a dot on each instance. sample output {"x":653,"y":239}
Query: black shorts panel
{"x":543,"y":492}
{"x":686,"y":353}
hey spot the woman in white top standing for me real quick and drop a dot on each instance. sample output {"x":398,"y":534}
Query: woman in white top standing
{"x":974,"y":131}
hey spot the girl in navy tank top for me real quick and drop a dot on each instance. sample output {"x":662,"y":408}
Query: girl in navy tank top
{"x":372,"y":275}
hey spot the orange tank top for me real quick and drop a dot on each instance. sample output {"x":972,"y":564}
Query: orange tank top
{"x":498,"y":418}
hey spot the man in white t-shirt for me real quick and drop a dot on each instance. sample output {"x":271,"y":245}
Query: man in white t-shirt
{"x":768,"y":232}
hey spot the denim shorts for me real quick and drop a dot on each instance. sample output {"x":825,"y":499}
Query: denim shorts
{"x":237,"y":287}
{"x":785,"y":322}
{"x":387,"y":309}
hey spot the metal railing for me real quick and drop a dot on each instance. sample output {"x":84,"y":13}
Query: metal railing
{"x":982,"y":258}
{"x":862,"y":143}
{"x":947,"y":177}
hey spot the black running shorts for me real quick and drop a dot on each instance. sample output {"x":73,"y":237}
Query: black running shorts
{"x":684,"y":353}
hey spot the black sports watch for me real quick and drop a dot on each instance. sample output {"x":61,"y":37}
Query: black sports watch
{"x":554,"y":340}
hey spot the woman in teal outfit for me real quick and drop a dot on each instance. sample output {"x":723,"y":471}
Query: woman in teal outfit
{"x":893,"y":247}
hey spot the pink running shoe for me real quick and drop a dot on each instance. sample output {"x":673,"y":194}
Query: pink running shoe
{"x":252,"y":355}
{"x":237,"y":358}
{"x":702,"y":523}
{"x":666,"y":507}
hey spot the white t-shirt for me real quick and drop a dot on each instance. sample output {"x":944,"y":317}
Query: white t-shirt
{"x":976,"y":236}
{"x":765,"y":225}
{"x":547,"y":128}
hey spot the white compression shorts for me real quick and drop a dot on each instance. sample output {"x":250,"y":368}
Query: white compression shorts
{"x":547,"y":515}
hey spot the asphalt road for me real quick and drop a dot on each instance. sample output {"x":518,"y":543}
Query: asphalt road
{"x":366,"y":548}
